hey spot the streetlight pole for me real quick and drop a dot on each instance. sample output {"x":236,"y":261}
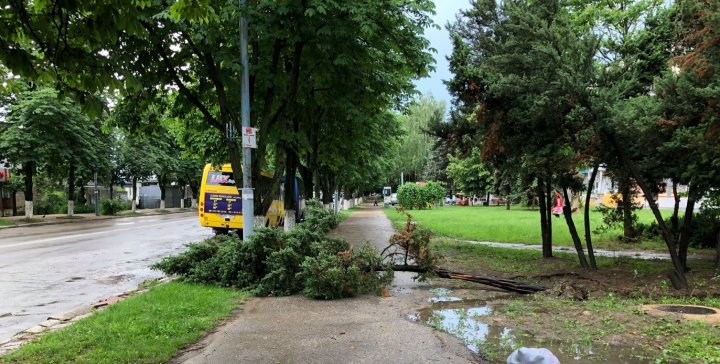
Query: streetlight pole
{"x":247,"y":191}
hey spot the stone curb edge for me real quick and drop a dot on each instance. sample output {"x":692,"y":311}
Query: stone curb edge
{"x":65,"y":319}
{"x":70,"y":221}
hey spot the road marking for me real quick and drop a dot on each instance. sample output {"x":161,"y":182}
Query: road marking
{"x":124,"y":223}
{"x":64,"y":237}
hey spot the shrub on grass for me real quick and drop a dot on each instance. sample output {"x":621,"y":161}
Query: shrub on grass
{"x":50,"y":203}
{"x":410,"y":196}
{"x":413,"y":196}
{"x":113,"y":207}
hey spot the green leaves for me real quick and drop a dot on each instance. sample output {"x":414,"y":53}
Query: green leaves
{"x":193,"y":11}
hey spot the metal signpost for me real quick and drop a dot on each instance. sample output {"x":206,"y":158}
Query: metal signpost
{"x":247,"y":191}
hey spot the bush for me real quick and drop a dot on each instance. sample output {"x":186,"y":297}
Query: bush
{"x":51,"y":203}
{"x":318,"y":218}
{"x":273,"y":262}
{"x":410,"y":196}
{"x":84,"y":209}
{"x":413,"y":196}
{"x":433,"y":192}
{"x":112,"y":207}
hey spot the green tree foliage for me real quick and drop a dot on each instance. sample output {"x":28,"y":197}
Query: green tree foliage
{"x":47,"y":132}
{"x":315,"y":66}
{"x":414,"y":151}
{"x":528,"y":86}
{"x":414,"y":196}
{"x":470,"y":175}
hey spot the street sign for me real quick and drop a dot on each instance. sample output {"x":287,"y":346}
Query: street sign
{"x":248,"y":138}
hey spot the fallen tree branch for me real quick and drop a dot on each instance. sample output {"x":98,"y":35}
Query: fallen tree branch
{"x":505,"y":284}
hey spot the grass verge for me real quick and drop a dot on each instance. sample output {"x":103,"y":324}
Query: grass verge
{"x":6,"y":222}
{"x":147,"y":328}
{"x":609,"y":323}
{"x":518,"y":225}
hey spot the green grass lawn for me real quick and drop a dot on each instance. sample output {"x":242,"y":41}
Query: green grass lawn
{"x":4,"y":222}
{"x":517,"y":225}
{"x":147,"y":328}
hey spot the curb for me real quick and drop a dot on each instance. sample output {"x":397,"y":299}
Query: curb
{"x":65,"y":319}
{"x":105,"y":217}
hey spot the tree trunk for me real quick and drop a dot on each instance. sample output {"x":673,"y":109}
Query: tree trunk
{"x":686,"y":229}
{"x":507,"y":204}
{"x":546,"y":243}
{"x":548,"y":210}
{"x":14,"y":203}
{"x":717,"y":255}
{"x":677,"y":278}
{"x":588,"y":237}
{"x":134,"y":194}
{"x":567,"y":211}
{"x":110,"y":187}
{"x":628,"y":231}
{"x":162,"y":183}
{"x":674,"y":220}
{"x":290,"y":188}
{"x":71,"y":190}
{"x":29,"y":169}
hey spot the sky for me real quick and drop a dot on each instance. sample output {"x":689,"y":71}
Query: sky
{"x":445,"y":11}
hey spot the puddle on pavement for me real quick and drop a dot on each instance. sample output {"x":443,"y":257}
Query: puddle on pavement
{"x":465,"y":319}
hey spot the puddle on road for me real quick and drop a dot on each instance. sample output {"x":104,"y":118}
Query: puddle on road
{"x":465,"y":319}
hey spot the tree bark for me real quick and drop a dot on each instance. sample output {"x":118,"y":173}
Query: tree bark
{"x":162,"y":182}
{"x":628,"y":231}
{"x":588,"y":237}
{"x":567,"y":211}
{"x":14,"y":202}
{"x":546,"y":243}
{"x":677,"y":278}
{"x":548,"y":211}
{"x":134,"y":193}
{"x":29,"y":169}
{"x":686,"y":229}
{"x":674,"y":219}
{"x":71,"y":190}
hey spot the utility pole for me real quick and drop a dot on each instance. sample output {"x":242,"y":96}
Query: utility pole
{"x":247,"y":191}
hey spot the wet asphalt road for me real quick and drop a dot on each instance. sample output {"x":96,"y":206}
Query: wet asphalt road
{"x":45,"y":270}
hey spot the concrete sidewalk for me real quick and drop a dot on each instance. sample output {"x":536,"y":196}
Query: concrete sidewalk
{"x":365,"y":329}
{"x":38,"y":220}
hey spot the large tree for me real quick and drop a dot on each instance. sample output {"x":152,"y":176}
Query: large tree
{"x":44,"y":130}
{"x":369,"y":50}
{"x":528,"y":91}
